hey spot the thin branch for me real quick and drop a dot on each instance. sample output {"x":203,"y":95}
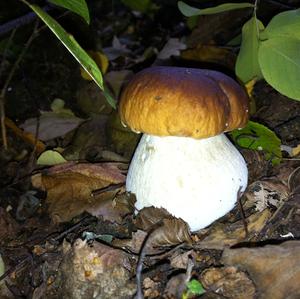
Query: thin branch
{"x":7,"y":82}
{"x":242,"y":212}
{"x":139,"y":267}
{"x":23,"y":20}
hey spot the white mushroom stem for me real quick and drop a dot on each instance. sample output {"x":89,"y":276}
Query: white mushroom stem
{"x":196,"y":180}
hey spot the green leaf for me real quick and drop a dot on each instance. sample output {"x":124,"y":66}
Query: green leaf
{"x":50,"y":158}
{"x":279,"y":60}
{"x":247,"y":66}
{"x":138,"y":5}
{"x":195,"y":287}
{"x":109,"y":98}
{"x":71,"y":44}
{"x":285,"y":24}
{"x":258,"y":137}
{"x":190,"y":11}
{"x":77,"y":6}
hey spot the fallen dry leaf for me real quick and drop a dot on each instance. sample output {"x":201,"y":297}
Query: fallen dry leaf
{"x":294,"y":181}
{"x":51,"y":125}
{"x":175,"y":286}
{"x":149,"y":216}
{"x":96,"y":271}
{"x":115,"y":208}
{"x":70,"y":187}
{"x":151,"y":288}
{"x":212,"y":54}
{"x":274,"y":269}
{"x":8,"y":225}
{"x":221,"y":235}
{"x":228,"y":282}
{"x":265,"y":193}
{"x":180,"y":260}
{"x":169,"y":232}
{"x":171,"y":48}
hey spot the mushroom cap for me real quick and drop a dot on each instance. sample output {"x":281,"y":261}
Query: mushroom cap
{"x":173,"y":101}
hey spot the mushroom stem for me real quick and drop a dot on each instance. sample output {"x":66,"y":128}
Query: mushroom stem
{"x":194,"y":179}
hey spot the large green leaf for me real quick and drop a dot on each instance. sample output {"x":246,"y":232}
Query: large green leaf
{"x":71,"y":44}
{"x":247,"y":66}
{"x":190,"y":11}
{"x":285,"y":24}
{"x":258,"y":137}
{"x":279,"y":60}
{"x":77,"y":6}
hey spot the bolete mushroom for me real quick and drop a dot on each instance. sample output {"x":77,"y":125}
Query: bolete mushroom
{"x":183,"y":162}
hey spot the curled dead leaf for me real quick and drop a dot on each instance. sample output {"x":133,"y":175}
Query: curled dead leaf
{"x":166,"y":233}
{"x":149,"y":216}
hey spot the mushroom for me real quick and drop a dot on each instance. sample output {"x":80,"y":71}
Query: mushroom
{"x":184,"y":162}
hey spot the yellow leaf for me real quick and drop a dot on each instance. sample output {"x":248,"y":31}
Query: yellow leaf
{"x":296,"y":150}
{"x":27,"y":137}
{"x":212,"y":54}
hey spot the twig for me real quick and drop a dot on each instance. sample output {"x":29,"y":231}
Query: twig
{"x":111,"y":187}
{"x":139,"y":267}
{"x":240,"y":206}
{"x":2,"y":114}
{"x":23,"y":20}
{"x":7,"y":82}
{"x":6,"y":50}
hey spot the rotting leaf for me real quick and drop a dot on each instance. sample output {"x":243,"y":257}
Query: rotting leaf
{"x":165,"y":232}
{"x":86,"y":269}
{"x":149,"y":216}
{"x":265,"y":193}
{"x":228,"y":282}
{"x":274,"y":269}
{"x":69,"y":187}
{"x":115,"y":208}
{"x":221,"y":235}
{"x":210,"y":54}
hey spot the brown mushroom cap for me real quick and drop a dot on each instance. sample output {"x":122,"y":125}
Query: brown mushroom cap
{"x":172,"y":101}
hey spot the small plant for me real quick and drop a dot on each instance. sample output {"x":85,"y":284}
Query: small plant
{"x":194,"y":288}
{"x":261,"y":46}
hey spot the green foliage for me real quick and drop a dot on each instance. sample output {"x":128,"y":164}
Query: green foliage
{"x":256,"y":136}
{"x":285,"y":24}
{"x":50,"y":158}
{"x":282,"y":44}
{"x":248,"y":55}
{"x":74,"y":48}
{"x":140,"y":5}
{"x":285,"y":73}
{"x":271,"y":53}
{"x":190,"y":11}
{"x":77,"y":6}
{"x":194,"y":287}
